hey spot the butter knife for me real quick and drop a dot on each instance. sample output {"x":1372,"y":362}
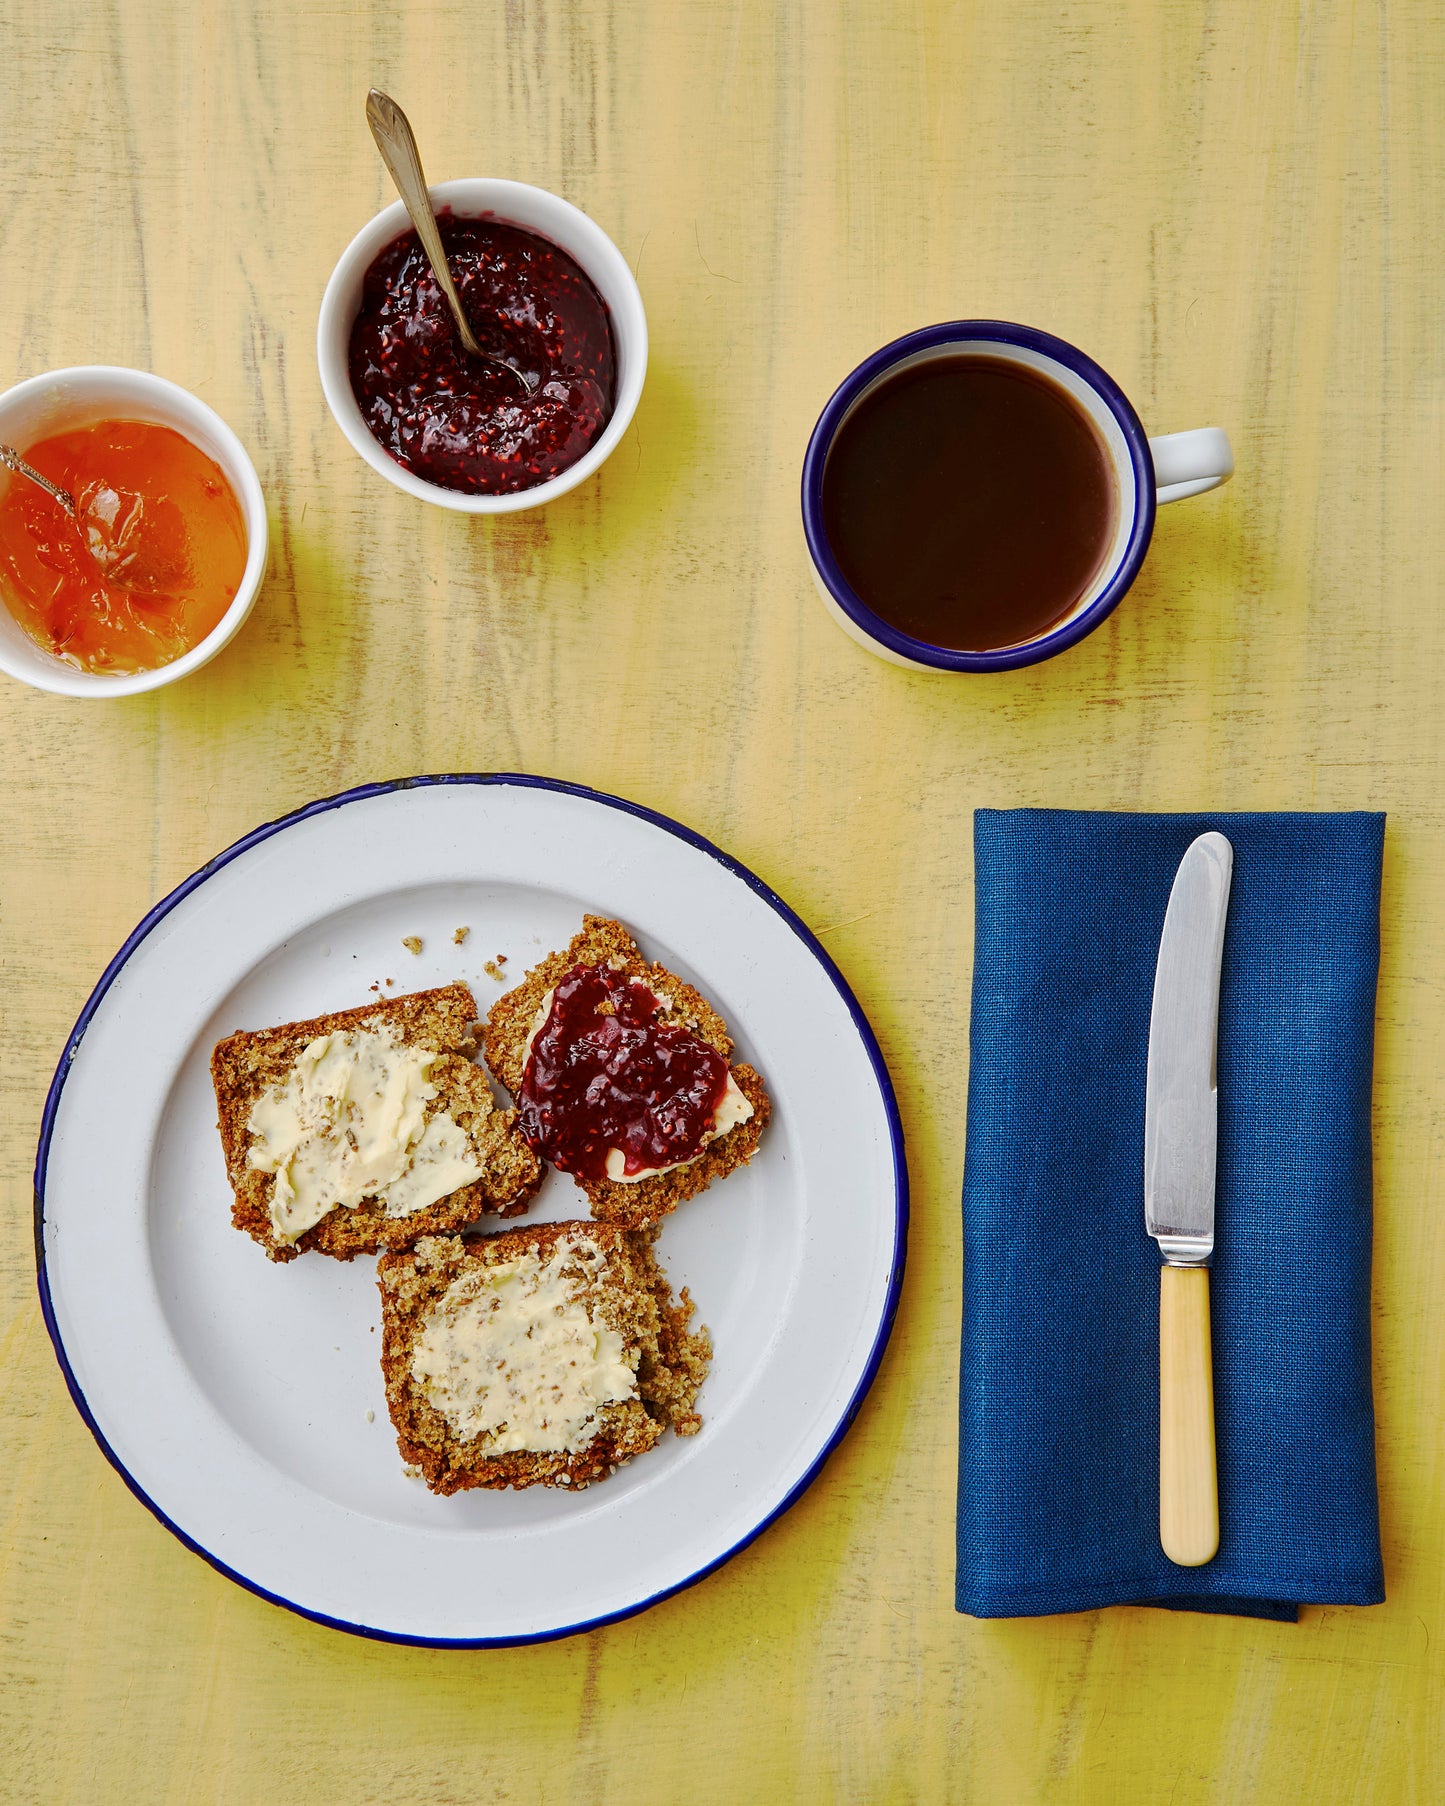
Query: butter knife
{"x":1179,"y":1150}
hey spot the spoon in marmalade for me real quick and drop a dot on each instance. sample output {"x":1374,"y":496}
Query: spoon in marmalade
{"x":396,"y":141}
{"x":124,"y":534}
{"x":12,"y":460}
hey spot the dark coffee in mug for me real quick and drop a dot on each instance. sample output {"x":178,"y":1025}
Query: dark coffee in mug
{"x":969,"y":501}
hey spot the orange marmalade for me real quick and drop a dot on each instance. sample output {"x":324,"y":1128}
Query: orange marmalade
{"x":149,"y":567}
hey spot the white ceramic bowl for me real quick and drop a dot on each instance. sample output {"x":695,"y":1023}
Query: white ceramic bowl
{"x":63,"y":400}
{"x":516,"y":204}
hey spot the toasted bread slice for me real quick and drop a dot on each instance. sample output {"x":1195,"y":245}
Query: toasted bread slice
{"x":510,"y":1022}
{"x":569,"y":1361}
{"x":246,"y":1066}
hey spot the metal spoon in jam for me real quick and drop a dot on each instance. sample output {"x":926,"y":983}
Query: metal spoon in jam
{"x":396,"y":141}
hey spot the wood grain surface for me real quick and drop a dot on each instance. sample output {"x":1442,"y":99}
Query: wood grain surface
{"x":1237,"y":209}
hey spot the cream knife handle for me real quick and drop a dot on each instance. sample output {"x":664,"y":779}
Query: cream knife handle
{"x":1188,"y":1488}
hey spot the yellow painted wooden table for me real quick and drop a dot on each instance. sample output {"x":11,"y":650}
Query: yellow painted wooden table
{"x":1237,"y":211}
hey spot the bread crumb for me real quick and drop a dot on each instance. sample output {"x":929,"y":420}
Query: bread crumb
{"x":412,"y":943}
{"x":390,"y":981}
{"x":371,"y":1417}
{"x":460,"y":934}
{"x":493,"y":970}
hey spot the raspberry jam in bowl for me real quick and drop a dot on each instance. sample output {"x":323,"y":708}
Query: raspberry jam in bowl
{"x":168,"y":555}
{"x":470,"y":424}
{"x":545,"y":289}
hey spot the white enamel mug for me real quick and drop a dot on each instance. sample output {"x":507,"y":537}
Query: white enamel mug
{"x":1146,"y":472}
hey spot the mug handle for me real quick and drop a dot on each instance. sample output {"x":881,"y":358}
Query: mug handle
{"x":1190,"y":463}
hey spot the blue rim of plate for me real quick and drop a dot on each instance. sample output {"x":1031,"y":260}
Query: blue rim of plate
{"x":361,"y":793}
{"x":1004,"y":658}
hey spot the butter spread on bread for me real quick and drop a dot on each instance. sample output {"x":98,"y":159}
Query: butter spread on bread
{"x":350,"y":1122}
{"x":512,"y":1353}
{"x":616,"y":1365}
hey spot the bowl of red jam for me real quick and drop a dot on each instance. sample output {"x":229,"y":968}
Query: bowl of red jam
{"x":546,"y":292}
{"x":167,"y":557}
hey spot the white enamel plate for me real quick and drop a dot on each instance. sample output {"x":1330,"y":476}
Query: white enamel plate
{"x":243,"y":1402}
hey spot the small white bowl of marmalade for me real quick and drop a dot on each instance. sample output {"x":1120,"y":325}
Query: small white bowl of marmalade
{"x":164,"y":562}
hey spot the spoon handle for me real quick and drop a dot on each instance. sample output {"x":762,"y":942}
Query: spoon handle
{"x":12,"y":460}
{"x":393,"y":134}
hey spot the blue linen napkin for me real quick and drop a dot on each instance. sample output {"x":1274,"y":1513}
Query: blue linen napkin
{"x":1058,"y":1398}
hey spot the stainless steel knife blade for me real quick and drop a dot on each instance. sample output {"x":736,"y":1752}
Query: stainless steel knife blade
{"x":1180,"y":1100}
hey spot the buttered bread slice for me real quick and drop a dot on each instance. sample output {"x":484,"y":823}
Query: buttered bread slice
{"x":540,"y":1356}
{"x":366,"y":1129}
{"x":622,"y":1076}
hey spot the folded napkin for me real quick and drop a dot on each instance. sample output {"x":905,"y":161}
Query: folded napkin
{"x":1058,"y":1402}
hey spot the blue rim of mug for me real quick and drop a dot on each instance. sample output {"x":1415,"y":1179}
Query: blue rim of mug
{"x":1058,"y":639}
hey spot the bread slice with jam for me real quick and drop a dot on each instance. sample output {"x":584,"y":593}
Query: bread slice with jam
{"x":640,"y":1153}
